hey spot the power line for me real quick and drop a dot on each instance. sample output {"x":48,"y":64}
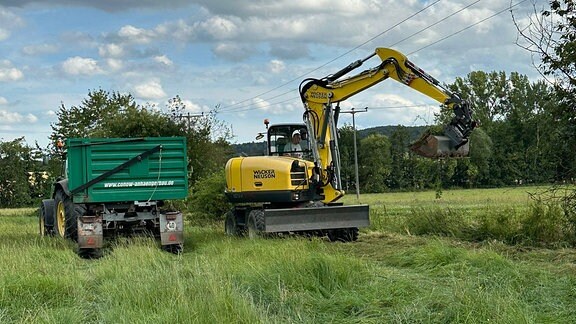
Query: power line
{"x":400,"y":107}
{"x":466,"y":28}
{"x":362,"y":44}
{"x":262,"y":106}
{"x":436,"y":23}
{"x":336,"y":58}
{"x":252,"y":104}
{"x":434,"y":43}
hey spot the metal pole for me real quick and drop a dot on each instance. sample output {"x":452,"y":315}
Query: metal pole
{"x":355,"y":156}
{"x":353,"y":112}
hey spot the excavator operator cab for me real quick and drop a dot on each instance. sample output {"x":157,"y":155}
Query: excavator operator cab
{"x":289,"y":140}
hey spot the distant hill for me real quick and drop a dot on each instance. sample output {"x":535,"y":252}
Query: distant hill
{"x":259,"y":148}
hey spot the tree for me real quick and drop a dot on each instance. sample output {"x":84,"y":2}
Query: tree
{"x":486,"y":94}
{"x":374,"y":163}
{"x":551,"y":35}
{"x":399,"y":175}
{"x":513,"y":116}
{"x":346,"y":146}
{"x":111,"y":114}
{"x":18,"y":170}
{"x":92,"y":117}
{"x":207,"y":138}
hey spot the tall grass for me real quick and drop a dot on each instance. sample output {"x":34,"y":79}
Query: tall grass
{"x":388,"y":276}
{"x":507,"y":215}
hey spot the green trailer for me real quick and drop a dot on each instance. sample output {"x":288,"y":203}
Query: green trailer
{"x":116,"y":186}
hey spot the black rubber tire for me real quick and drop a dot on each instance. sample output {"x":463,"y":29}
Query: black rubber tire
{"x":173,"y":248}
{"x":230,"y":226}
{"x":256,"y":223}
{"x":71,"y":212}
{"x":46,"y":217}
{"x":343,"y":234}
{"x":90,"y":253}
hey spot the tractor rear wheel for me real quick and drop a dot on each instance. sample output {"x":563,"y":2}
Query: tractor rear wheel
{"x":256,"y":224}
{"x":66,"y":214}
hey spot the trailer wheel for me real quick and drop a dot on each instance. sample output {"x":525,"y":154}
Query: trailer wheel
{"x":90,"y":253}
{"x":173,"y":248}
{"x":256,"y":224}
{"x":66,"y":215}
{"x":343,"y":234}
{"x":46,"y":217}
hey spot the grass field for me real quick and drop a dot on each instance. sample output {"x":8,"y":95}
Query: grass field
{"x":391,"y":275}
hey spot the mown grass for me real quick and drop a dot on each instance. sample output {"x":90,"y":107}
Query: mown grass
{"x":388,"y":276}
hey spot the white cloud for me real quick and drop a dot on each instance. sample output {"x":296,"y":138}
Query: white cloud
{"x":81,"y":66}
{"x":114,"y":64}
{"x":149,"y":90}
{"x":193,"y":107}
{"x":261,"y":104}
{"x":136,"y":35}
{"x":233,"y":51}
{"x":30,"y":118}
{"x":163,"y":59}
{"x":8,"y":117}
{"x":40,"y":49}
{"x":220,"y":27}
{"x":111,"y":50}
{"x":8,"y":72}
{"x":3,"y":101}
{"x":8,"y":22}
{"x":284,"y":7}
{"x":277,"y":66}
{"x":4,"y":34}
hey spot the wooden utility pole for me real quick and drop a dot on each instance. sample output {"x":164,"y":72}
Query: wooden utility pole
{"x":353,"y":111}
{"x":189,"y":118}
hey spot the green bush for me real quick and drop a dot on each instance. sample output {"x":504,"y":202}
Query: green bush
{"x":500,"y":224}
{"x":207,"y":200}
{"x":547,"y":225}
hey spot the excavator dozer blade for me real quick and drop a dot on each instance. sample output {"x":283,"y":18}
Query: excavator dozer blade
{"x":435,"y":146}
{"x":316,"y":218}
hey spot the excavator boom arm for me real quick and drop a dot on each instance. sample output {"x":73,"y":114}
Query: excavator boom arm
{"x":319,"y":95}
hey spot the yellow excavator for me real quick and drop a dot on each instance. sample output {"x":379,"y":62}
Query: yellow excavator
{"x":289,"y":191}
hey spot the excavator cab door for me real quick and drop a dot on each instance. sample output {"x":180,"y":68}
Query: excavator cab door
{"x":281,"y":134}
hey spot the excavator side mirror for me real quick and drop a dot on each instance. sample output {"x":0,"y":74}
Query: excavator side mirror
{"x":259,"y":136}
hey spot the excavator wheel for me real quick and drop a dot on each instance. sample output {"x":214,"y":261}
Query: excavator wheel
{"x":231,"y":227}
{"x":256,"y":225}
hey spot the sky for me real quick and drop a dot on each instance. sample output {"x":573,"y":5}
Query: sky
{"x":245,"y":57}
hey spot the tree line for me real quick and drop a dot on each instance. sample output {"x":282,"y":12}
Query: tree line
{"x":527,"y":132}
{"x":26,"y":173}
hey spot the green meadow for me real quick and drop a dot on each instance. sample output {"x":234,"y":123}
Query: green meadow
{"x":461,"y":256}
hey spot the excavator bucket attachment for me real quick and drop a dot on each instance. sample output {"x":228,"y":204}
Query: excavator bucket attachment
{"x":435,"y":146}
